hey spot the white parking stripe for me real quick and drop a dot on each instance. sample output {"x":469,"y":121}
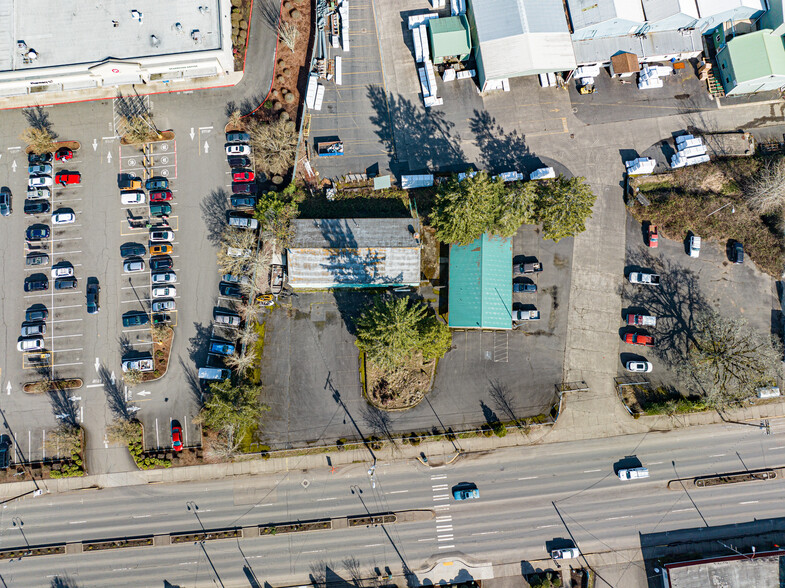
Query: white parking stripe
{"x":65,"y":336}
{"x":66,"y":350}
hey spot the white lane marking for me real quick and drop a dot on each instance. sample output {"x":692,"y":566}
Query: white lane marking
{"x":435,"y":498}
{"x":373,"y":545}
{"x":418,"y":540}
{"x":314,"y":551}
{"x":141,"y":516}
{"x":617,"y":518}
{"x":544,"y":526}
{"x":486,"y":533}
{"x":590,"y":471}
{"x":443,"y":519}
{"x":76,"y":522}
{"x":323,"y":499}
{"x":439,"y":487}
{"x":778,"y":447}
{"x":718,"y":455}
{"x":184,"y":563}
{"x":444,"y":537}
{"x":446,"y":546}
{"x":260,"y":505}
{"x":442,"y":507}
{"x":94,"y":386}
{"x":750,"y":502}
{"x":443,"y":528}
{"x":655,"y":462}
{"x":397,"y":492}
{"x":528,"y":478}
{"x":682,"y":510}
{"x":440,"y":477}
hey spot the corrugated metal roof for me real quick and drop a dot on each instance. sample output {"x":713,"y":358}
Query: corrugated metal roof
{"x":353,"y":267}
{"x":586,"y":13}
{"x":354,"y":233}
{"x":650,"y":45}
{"x":711,"y":7}
{"x":756,"y":55}
{"x":660,"y":9}
{"x":480,"y":284}
{"x":449,"y":36}
{"x":497,"y":19}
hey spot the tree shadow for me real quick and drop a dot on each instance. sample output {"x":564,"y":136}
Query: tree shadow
{"x":500,"y":151}
{"x":270,"y":13}
{"x":199,"y":344}
{"x":428,"y":132}
{"x":488,"y":414}
{"x":130,"y":107}
{"x":115,"y":394}
{"x":38,"y":118}
{"x":378,"y":421}
{"x":215,"y":207}
{"x":192,"y":379}
{"x":63,"y":407}
{"x":502,"y":398}
{"x":64,"y":582}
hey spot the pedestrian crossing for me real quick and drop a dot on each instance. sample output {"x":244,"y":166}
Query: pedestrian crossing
{"x":443,"y":521}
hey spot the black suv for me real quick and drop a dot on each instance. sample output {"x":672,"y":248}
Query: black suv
{"x":65,"y":283}
{"x":92,"y":295}
{"x":737,"y":252}
{"x":239,"y":161}
{"x":36,"y":283}
{"x":132,"y":250}
{"x":36,"y":206}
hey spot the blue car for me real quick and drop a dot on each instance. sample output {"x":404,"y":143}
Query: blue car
{"x":465,"y":493}
{"x":221,"y":348}
{"x":37,"y":233}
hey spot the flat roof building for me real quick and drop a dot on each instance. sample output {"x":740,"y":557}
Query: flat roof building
{"x":449,"y":37}
{"x":46,"y":47}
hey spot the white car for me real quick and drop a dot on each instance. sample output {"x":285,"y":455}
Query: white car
{"x":633,"y":474}
{"x":136,"y":197}
{"x":39,"y":181}
{"x":143,"y":365}
{"x":62,"y":272}
{"x":33,"y":344}
{"x":161,"y":305}
{"x":164,"y":292}
{"x":38,"y":194}
{"x":133,"y":265}
{"x":639,"y":366}
{"x":159,"y":236}
{"x":63,"y":218}
{"x":695,"y":246}
{"x":164,"y":278}
{"x":238,"y":150}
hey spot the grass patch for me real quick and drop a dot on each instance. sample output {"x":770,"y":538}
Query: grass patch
{"x":359,"y":203}
{"x":661,"y":400}
{"x":259,"y":351}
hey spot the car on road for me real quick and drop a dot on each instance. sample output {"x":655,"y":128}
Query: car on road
{"x":129,"y":182}
{"x":568,"y":553}
{"x":65,"y":283}
{"x":63,"y":217}
{"x":737,"y":252}
{"x":243,"y":222}
{"x":5,"y":201}
{"x":68,"y":177}
{"x":163,"y":305}
{"x":161,"y":235}
{"x":40,"y":169}
{"x":32,"y":344}
{"x":160,"y":196}
{"x":243,"y":201}
{"x":243,"y":188}
{"x":63,"y":271}
{"x":37,"y":233}
{"x":243,"y":175}
{"x":31,"y":329}
{"x":133,"y":265}
{"x":237,"y":137}
{"x":64,"y":154}
{"x":143,"y":365}
{"x":39,"y":158}
{"x":229,"y":290}
{"x":238,"y":149}
{"x":633,"y":473}
{"x":38,"y":193}
{"x":36,"y":206}
{"x":93,"y":291}
{"x":36,"y":313}
{"x":156,"y":183}
{"x":160,"y":249}
{"x":220,"y":348}
{"x":639,"y":339}
{"x":164,"y":292}
{"x":695,"y":246}
{"x":641,"y":320}
{"x":227,"y":318}
{"x":36,"y":259}
{"x":132,"y":250}
{"x":654,"y":236}
{"x":639,"y":366}
{"x":465,"y":492}
{"x":177,"y":437}
{"x":39,"y":182}
{"x":163,"y":277}
{"x":36,"y":283}
{"x":161,"y":262}
{"x":239,"y":161}
{"x":161,"y":209}
{"x":135,"y":197}
{"x":135,"y":318}
{"x":523,"y":287}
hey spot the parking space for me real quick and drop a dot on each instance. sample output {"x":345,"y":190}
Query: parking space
{"x":155,"y":159}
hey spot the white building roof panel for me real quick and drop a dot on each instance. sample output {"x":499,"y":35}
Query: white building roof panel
{"x":661,"y":9}
{"x":587,"y":13}
{"x":653,"y":44}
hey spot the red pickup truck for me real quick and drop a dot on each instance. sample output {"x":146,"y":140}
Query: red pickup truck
{"x":68,"y":177}
{"x":638,"y":339}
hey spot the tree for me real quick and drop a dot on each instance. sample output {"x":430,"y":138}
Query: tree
{"x":39,"y":140}
{"x":41,"y":386}
{"x":563,"y":205}
{"x":275,"y":216}
{"x":123,"y":431}
{"x":139,"y":128}
{"x":766,"y":189}
{"x":241,"y":362}
{"x":231,"y":408}
{"x":64,"y":440}
{"x":392,"y":329}
{"x":240,"y":239}
{"x":274,"y":145}
{"x":727,"y":359}
{"x":468,"y":208}
{"x":160,"y":332}
{"x":235,"y":121}
{"x":288,"y":33}
{"x":133,"y":377}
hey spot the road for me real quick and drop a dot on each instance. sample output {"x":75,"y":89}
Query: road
{"x":529,"y":496}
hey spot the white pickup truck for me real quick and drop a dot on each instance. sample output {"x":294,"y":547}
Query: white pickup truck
{"x":526,"y":315}
{"x":644,"y":278}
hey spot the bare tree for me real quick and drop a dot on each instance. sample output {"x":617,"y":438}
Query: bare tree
{"x":39,"y":140}
{"x":160,"y":332}
{"x":64,"y":440}
{"x":274,"y":146}
{"x":237,"y":252}
{"x":727,"y":359}
{"x":224,"y":448}
{"x":241,"y":363}
{"x":132,"y":377}
{"x":766,"y":189}
{"x":41,"y":386}
{"x":236,"y":121}
{"x":122,"y":431}
{"x":288,"y":33}
{"x":379,"y":421}
{"x":138,"y":129}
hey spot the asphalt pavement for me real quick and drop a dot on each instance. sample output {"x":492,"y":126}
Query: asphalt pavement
{"x":528,"y":498}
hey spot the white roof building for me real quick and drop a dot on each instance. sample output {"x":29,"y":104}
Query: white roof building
{"x":605,"y":18}
{"x":670,"y":15}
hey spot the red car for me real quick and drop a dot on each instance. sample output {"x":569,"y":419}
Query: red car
{"x":654,"y":236}
{"x":243,"y":175}
{"x":64,"y":154}
{"x":68,"y":177}
{"x":160,"y":195}
{"x":177,"y":437}
{"x":637,"y":339}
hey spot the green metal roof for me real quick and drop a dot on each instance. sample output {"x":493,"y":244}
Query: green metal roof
{"x":449,"y":36}
{"x":756,"y":55}
{"x":480,"y":288}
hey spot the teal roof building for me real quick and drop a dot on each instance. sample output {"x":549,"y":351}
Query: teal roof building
{"x":480,"y":284}
{"x":752,"y":63}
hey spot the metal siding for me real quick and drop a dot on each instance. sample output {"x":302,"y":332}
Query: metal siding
{"x":350,"y":232}
{"x":363,"y":267}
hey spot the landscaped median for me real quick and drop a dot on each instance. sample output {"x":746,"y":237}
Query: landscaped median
{"x":762,"y":475}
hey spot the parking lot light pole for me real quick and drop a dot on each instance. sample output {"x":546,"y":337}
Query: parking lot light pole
{"x":19,"y":523}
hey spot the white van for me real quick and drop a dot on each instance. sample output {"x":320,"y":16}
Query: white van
{"x":135,"y":197}
{"x":633,"y":474}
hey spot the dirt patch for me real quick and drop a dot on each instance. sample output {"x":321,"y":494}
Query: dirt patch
{"x":756,"y":476}
{"x":43,"y":387}
{"x":429,"y":260}
{"x":165,"y":136}
{"x":372,"y":520}
{"x":209,"y":536}
{"x":161,"y":351}
{"x":118,"y":544}
{"x":402,"y":389}
{"x":296,"y":527}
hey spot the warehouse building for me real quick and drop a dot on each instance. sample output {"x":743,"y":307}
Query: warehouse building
{"x":354,"y":253}
{"x":752,"y":63}
{"x":46,"y":47}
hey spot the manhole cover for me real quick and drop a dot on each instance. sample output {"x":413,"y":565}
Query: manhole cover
{"x":132,"y":162}
{"x":164,"y":159}
{"x":305,"y":483}
{"x":164,"y":172}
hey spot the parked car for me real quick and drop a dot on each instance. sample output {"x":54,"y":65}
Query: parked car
{"x":243,"y":188}
{"x":161,"y":262}
{"x":523,"y":287}
{"x":63,"y":217}
{"x":177,"y":437}
{"x":227,"y":318}
{"x":39,"y":158}
{"x":36,"y":283}
{"x":36,"y":259}
{"x":641,"y":320}
{"x":132,"y":250}
{"x":737,"y":252}
{"x":68,"y":177}
{"x":35,"y":193}
{"x":65,"y":283}
{"x":36,"y":206}
{"x":135,"y":318}
{"x":229,"y":290}
{"x":208,"y":373}
{"x":233,"y":279}
{"x":639,"y":339}
{"x":39,"y":182}
{"x":133,"y":265}
{"x":162,"y":305}
{"x":220,"y":348}
{"x":144,"y":364}
{"x":64,"y":154}
{"x":40,"y":169}
{"x":654,"y":236}
{"x":135,"y":197}
{"x":237,"y":137}
{"x":465,"y":492}
{"x":161,"y":209}
{"x":5,"y":452}
{"x":161,"y":235}
{"x":160,"y":249}
{"x":5,"y":201}
{"x":644,"y":278}
{"x":238,"y":150}
{"x":93,"y":291}
{"x":156,"y":183}
{"x":164,"y":292}
{"x":243,"y":175}
{"x":37,"y":233}
{"x":36,"y":313}
{"x":243,"y":201}
{"x":30,"y":329}
{"x":695,"y":246}
{"x":633,"y":474}
{"x":160,"y":196}
{"x":63,"y":271}
{"x":526,"y":315}
{"x":568,"y":553}
{"x":129,"y":182}
{"x":32,"y":344}
{"x":160,"y":318}
{"x":239,"y":161}
{"x":243,"y":222}
{"x":639,"y":366}
{"x":163,"y":277}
